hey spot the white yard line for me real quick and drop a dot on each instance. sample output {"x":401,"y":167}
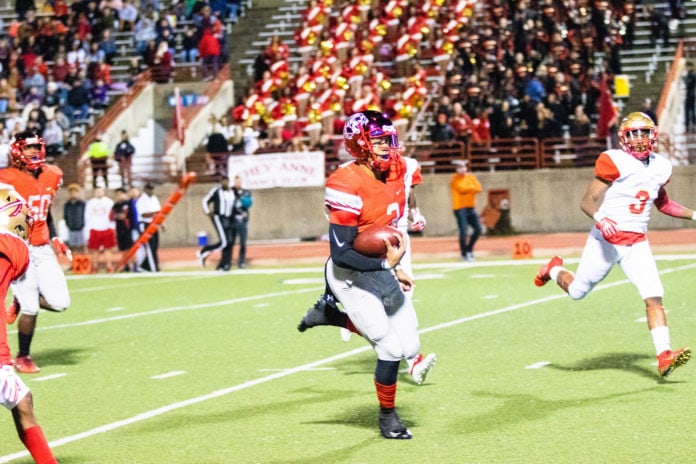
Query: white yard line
{"x":285,"y":372}
{"x":175,"y":309}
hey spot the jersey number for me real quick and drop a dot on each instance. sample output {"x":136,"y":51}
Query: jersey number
{"x":642,"y":197}
{"x":393,"y":208}
{"x":39,"y":206}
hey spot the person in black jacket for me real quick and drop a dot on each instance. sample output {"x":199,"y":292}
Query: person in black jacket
{"x":122,"y":154}
{"x":218,"y":204}
{"x":240,"y":222}
{"x":74,"y":217}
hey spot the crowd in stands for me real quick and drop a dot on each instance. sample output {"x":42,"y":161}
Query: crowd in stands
{"x":56,"y":56}
{"x":493,"y":69}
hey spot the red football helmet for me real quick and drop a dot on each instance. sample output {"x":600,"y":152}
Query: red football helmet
{"x":638,"y":135}
{"x":363,"y":130}
{"x":28,"y":151}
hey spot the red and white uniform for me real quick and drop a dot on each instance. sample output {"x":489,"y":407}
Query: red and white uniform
{"x":306,"y":38}
{"x":353,"y":13}
{"x":354,"y":198}
{"x":417,"y":26}
{"x":368,"y":201}
{"x":628,"y":201}
{"x":406,"y":47}
{"x":393,"y":11}
{"x":316,"y":14}
{"x":280,"y":71}
{"x":14,"y":261}
{"x":45,"y":275}
{"x":343,"y":34}
{"x":100,"y":223}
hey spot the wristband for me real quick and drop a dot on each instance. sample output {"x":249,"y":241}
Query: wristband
{"x":597,"y":217}
{"x":693,"y":216}
{"x":385,"y":265}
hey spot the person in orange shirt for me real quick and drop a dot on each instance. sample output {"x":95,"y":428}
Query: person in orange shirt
{"x":464,"y":187}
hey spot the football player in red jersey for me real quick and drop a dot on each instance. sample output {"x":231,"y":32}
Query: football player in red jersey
{"x":44,"y":284}
{"x":372,"y":290}
{"x":14,"y":261}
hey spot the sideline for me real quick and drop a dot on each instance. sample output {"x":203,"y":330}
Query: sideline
{"x":286,"y":372}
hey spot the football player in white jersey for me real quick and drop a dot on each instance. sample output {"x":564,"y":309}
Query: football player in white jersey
{"x":627,"y":183}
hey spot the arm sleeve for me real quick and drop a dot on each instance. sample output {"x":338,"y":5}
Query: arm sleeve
{"x":666,"y":206}
{"x":341,"y":240}
{"x":51,"y":226}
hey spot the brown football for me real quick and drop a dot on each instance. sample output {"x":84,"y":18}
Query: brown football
{"x":370,"y":242}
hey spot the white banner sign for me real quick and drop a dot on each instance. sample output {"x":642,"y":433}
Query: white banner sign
{"x":270,"y":170}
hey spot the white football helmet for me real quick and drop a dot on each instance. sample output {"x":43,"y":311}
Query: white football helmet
{"x":14,"y":213}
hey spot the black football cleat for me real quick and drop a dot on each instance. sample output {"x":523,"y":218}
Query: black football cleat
{"x":391,"y":426}
{"x":324,"y":312}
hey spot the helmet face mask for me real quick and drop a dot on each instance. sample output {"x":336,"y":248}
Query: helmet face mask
{"x":14,"y":213}
{"x":638,"y":135}
{"x":372,"y":139}
{"x":28,"y":151}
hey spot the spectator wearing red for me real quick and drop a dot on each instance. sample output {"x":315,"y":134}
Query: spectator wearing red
{"x":209,"y":51}
{"x":60,"y":69}
{"x":461,"y":123}
{"x":102,"y":71}
{"x":84,"y":26}
{"x":41,"y":66}
{"x":61,"y":10}
{"x":481,"y":128}
{"x":608,"y":114}
{"x":162,"y":64}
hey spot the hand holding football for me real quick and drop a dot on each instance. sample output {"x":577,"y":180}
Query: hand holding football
{"x":370,"y":242}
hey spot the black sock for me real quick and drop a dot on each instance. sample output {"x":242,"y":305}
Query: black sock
{"x":386,"y":372}
{"x":24,"y":344}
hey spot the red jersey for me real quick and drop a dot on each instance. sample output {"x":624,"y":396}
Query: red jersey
{"x":14,"y":261}
{"x":38,"y":193}
{"x":354,"y":198}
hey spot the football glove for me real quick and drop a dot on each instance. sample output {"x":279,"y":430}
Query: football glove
{"x":608,"y":227}
{"x":417,"y":220}
{"x":61,"y":248}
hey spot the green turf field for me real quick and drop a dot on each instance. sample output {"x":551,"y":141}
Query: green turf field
{"x":205,"y":367}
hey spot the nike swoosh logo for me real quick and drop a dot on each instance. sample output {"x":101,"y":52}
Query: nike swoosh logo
{"x":338,"y":242}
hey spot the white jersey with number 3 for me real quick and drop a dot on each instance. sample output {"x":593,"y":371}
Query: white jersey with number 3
{"x":634,"y":187}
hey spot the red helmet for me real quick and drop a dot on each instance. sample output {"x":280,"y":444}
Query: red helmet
{"x":361,"y":129}
{"x":638,"y":135}
{"x":28,"y":151}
